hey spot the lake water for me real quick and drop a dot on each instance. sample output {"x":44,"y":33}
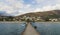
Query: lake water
{"x":11,"y":28}
{"x":16,"y":28}
{"x":47,"y":28}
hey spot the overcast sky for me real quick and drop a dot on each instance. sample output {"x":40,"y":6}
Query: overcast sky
{"x":18,"y":7}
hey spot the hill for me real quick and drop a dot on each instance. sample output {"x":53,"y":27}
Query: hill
{"x":42,"y":14}
{"x":46,"y":15}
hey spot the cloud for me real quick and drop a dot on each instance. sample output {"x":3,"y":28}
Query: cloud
{"x":11,"y":6}
{"x":46,"y":5}
{"x":48,"y":8}
{"x":39,"y":1}
{"x":18,"y":7}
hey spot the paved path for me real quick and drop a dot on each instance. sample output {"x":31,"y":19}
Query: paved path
{"x":30,"y":30}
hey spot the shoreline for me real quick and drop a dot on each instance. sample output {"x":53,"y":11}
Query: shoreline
{"x":24,"y":21}
{"x":11,"y":22}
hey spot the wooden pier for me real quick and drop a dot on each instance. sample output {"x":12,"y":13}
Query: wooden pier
{"x":30,"y":30}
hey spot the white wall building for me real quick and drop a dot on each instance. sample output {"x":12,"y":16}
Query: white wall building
{"x":53,"y":19}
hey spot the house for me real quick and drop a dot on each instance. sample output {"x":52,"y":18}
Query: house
{"x":54,"y":19}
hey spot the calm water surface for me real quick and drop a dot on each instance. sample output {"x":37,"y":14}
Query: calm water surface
{"x":44,"y":28}
{"x":11,"y":28}
{"x":47,"y":28}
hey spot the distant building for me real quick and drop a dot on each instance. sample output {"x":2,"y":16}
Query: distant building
{"x":55,"y":19}
{"x":28,"y":18}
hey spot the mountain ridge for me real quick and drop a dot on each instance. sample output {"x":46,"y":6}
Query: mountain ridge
{"x":45,"y":13}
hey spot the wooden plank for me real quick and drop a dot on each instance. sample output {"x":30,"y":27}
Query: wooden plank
{"x":30,"y":30}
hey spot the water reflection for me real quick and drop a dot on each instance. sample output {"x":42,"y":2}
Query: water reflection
{"x":46,"y":28}
{"x":12,"y":28}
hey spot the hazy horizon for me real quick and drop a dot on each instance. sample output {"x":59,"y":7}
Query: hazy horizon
{"x":18,"y":7}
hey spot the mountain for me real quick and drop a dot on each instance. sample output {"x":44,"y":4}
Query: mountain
{"x":42,"y":14}
{"x":45,"y":13}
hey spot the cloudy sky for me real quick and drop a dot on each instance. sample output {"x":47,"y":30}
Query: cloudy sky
{"x":18,"y":7}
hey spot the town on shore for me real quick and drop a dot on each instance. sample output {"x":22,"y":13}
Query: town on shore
{"x":25,"y":18}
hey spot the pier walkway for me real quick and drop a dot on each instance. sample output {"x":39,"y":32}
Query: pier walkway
{"x":30,"y":30}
